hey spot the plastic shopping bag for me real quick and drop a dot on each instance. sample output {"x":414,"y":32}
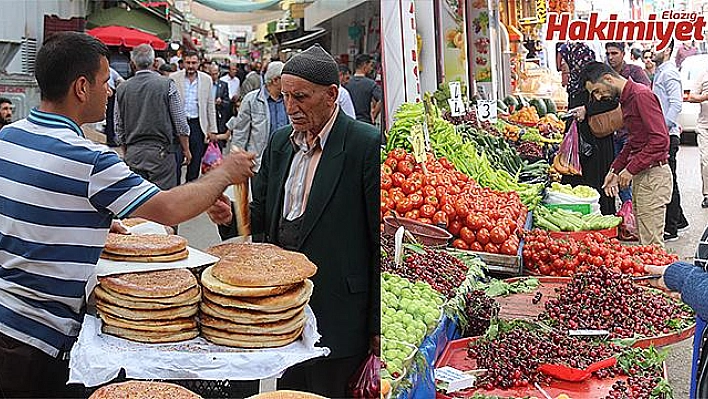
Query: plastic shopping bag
{"x":365,"y":383}
{"x":212,"y":157}
{"x":628,"y":227}
{"x":567,"y":160}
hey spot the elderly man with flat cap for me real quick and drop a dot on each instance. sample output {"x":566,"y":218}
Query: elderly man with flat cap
{"x":317,"y":192}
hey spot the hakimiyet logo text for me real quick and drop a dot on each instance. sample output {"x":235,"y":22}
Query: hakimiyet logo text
{"x":680,"y":25}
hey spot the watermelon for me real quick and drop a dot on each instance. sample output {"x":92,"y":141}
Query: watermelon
{"x":512,"y":103}
{"x":539,"y":105}
{"x":550,"y":106}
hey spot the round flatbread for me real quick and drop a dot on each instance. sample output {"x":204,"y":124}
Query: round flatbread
{"x":244,"y":316}
{"x":277,"y":327}
{"x":249,"y":341}
{"x":297,"y":296}
{"x":216,"y":286}
{"x":285,"y":395}
{"x":137,"y":314}
{"x":189,"y":297}
{"x":150,"y":336}
{"x":262,"y":265}
{"x":176,"y":325}
{"x":183,"y":254}
{"x":154,"y":284}
{"x":144,"y":244}
{"x":143,"y":389}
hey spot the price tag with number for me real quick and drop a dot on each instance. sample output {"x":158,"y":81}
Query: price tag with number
{"x":417,"y":139}
{"x":457,"y":107}
{"x":455,"y":90}
{"x":487,"y":110}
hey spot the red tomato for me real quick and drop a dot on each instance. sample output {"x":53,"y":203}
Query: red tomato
{"x":454,"y":190}
{"x":425,"y":220}
{"x":432,"y":200}
{"x":398,"y":153}
{"x":427,"y":211}
{"x":391,"y":163}
{"x":441,"y":191}
{"x":483,"y":236}
{"x":446,"y":164}
{"x":508,"y":248}
{"x":432,"y":180}
{"x":390,"y":204}
{"x":396,"y":195}
{"x":398,"y":179}
{"x":449,"y":210}
{"x":404,"y":167}
{"x":416,"y":200}
{"x":417,"y":178}
{"x":462,"y":209}
{"x":403,"y":206}
{"x":429,"y":191}
{"x":413,"y":214}
{"x":460,"y":244}
{"x":467,"y":235}
{"x":473,"y":221}
{"x":477,"y":247}
{"x":386,"y":181}
{"x":440,"y":218}
{"x":498,"y":235}
{"x":454,"y":227}
{"x":386,"y":170}
{"x":491,"y":248}
{"x":408,"y":187}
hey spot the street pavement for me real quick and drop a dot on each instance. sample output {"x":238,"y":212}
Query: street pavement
{"x":201,"y":233}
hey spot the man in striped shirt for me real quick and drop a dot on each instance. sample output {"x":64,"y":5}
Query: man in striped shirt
{"x":59,"y":193}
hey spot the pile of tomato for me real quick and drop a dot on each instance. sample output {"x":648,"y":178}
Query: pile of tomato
{"x":434,"y":192}
{"x":564,"y":257}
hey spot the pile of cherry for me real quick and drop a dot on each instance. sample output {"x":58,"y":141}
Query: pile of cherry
{"x":603,"y":300}
{"x":512,"y":358}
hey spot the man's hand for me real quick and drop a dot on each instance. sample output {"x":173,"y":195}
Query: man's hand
{"x":118,"y":228}
{"x":239,"y":166}
{"x":625,"y":178}
{"x":659,"y":282}
{"x":217,"y":101}
{"x":187,"y":156}
{"x":579,"y":113}
{"x":611,"y":185}
{"x":220,"y":212}
{"x":213,"y":137}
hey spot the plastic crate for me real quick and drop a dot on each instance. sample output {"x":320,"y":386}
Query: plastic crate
{"x":585,"y":209}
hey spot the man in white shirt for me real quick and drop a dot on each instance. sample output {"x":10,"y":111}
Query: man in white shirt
{"x":344,"y":99}
{"x":233,"y":81}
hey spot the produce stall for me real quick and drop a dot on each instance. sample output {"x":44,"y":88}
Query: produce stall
{"x":489,"y":194}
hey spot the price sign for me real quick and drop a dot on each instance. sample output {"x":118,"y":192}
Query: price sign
{"x":455,"y":90}
{"x":417,"y":139}
{"x":457,"y":107}
{"x":487,"y":110}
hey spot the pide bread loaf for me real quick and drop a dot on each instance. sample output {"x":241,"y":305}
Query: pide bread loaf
{"x":262,"y":265}
{"x":154,"y":284}
{"x":143,"y":390}
{"x":144,"y":244}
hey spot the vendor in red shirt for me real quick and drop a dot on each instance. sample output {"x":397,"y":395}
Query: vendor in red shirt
{"x":643,"y":160}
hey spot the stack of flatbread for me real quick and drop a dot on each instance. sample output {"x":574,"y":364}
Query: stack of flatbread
{"x":286,"y":394}
{"x":143,"y":390}
{"x":157,"y":306}
{"x":255,"y":296}
{"x":145,"y":248}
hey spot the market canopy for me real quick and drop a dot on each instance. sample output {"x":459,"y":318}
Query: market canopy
{"x":137,"y":18}
{"x":205,"y":12}
{"x":238,"y":5}
{"x":126,"y":37}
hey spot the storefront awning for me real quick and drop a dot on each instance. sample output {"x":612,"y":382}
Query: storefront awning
{"x":323,"y":10}
{"x":238,"y":5}
{"x":135,"y":19}
{"x":126,"y":37}
{"x":302,"y":41}
{"x":205,"y":13}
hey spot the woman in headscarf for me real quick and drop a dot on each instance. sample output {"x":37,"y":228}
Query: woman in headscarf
{"x":596,"y":155}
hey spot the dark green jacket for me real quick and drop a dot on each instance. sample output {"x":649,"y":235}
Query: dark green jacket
{"x":340,"y":230}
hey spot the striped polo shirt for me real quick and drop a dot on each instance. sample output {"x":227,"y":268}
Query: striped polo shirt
{"x":58,"y":195}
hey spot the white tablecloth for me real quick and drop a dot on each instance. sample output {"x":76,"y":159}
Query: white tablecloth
{"x":98,"y":358}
